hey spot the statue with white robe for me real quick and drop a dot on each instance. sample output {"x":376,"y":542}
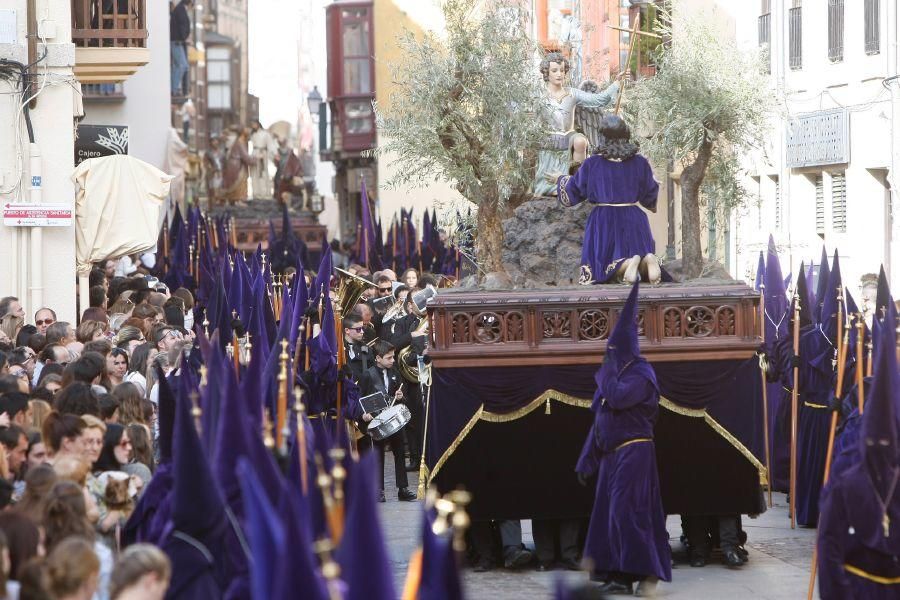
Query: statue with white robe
{"x":263,"y":152}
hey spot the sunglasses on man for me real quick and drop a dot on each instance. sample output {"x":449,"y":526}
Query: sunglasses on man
{"x":40,"y":322}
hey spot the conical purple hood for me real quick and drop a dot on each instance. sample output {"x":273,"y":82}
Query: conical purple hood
{"x":878,"y":443}
{"x":265,"y":533}
{"x":805,"y":300}
{"x":821,"y":287}
{"x":776,"y":298}
{"x":622,"y":347}
{"x":834,"y":288}
{"x":362,"y":555}
{"x":883,"y":296}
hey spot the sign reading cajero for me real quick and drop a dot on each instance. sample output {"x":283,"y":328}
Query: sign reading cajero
{"x":94,"y":141}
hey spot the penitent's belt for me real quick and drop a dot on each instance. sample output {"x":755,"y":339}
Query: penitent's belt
{"x":616,"y":205}
{"x":634,"y":441}
{"x":874,"y":578}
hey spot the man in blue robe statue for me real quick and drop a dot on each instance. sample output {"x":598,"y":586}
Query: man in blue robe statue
{"x":627,"y":540}
{"x":859,"y":528}
{"x":618,"y":182}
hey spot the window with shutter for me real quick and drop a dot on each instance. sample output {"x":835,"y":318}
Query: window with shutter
{"x":820,"y":205}
{"x":838,"y":202}
{"x":872,"y":24}
{"x":835,"y":30}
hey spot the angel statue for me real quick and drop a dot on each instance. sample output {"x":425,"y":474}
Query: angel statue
{"x":564,"y":110}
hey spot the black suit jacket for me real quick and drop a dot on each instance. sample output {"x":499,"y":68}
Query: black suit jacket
{"x":400,"y":334}
{"x":373,"y":381}
{"x":359,"y":358}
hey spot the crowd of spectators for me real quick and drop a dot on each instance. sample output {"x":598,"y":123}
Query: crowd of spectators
{"x":78,"y":437}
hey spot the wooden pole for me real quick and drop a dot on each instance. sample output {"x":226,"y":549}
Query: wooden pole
{"x":281,"y":407}
{"x":795,"y":395}
{"x":843,"y":343}
{"x":634,"y":36}
{"x":860,"y":339}
{"x":765,"y":393}
{"x":300,"y":410}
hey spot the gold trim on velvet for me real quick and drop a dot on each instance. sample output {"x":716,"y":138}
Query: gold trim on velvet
{"x":483,"y":415}
{"x":533,"y":405}
{"x":701,"y":413}
{"x":630,"y":442}
{"x":811,"y":405}
{"x":875,"y":578}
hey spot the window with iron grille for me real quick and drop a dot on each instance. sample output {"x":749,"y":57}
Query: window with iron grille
{"x":838,"y":202}
{"x":795,"y":31}
{"x":777,"y":202}
{"x":835,"y":30}
{"x":765,"y":27}
{"x":820,"y":205}
{"x":872,"y":22}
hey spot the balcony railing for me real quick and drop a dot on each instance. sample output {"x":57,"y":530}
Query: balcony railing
{"x":110,"y":38}
{"x":103,"y":92}
{"x":765,"y":28}
{"x":109,"y":23}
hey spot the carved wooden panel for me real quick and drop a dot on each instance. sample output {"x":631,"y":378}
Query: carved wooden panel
{"x":557,"y":324}
{"x":571,"y":326}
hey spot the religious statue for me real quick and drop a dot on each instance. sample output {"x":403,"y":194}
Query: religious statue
{"x":263,"y":152}
{"x":213,"y":164}
{"x":289,"y":177}
{"x":237,"y":160}
{"x":618,"y":244}
{"x":564,"y":144}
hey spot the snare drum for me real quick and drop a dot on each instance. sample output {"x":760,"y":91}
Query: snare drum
{"x":389,"y":421}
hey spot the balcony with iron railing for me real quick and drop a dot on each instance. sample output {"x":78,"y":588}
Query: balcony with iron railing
{"x":110,"y":38}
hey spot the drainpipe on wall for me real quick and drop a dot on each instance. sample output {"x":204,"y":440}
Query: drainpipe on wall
{"x":35,"y":257}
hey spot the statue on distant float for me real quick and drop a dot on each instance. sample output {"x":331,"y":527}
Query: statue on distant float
{"x":572,"y":117}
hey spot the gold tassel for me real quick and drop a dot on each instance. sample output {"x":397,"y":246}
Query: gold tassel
{"x":547,"y":407}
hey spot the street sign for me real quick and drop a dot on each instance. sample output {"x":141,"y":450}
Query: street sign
{"x":94,"y":141}
{"x":37,"y":215}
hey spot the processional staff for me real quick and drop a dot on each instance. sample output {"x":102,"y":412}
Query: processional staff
{"x":841,"y":364}
{"x":765,"y":394}
{"x":860,"y":338}
{"x":795,"y":395}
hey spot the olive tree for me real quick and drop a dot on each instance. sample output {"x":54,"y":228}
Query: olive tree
{"x":464,"y":110}
{"x":705,"y":108}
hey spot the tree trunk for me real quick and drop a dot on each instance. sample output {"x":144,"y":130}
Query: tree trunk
{"x":691,"y":179}
{"x":489,"y":237}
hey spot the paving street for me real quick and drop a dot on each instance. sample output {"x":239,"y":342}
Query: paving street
{"x":778,"y":568}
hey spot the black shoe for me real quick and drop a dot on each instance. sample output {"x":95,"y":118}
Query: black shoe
{"x":742,"y":552}
{"x":404,"y":495}
{"x":483,"y":566}
{"x":733,"y":559}
{"x":544,"y":566}
{"x":518,"y":558}
{"x":570,"y":564}
{"x":698,"y":561}
{"x":615,"y":587}
{"x":381,"y":496}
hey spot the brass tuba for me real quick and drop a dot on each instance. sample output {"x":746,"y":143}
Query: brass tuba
{"x":418,"y":306}
{"x":349,"y":290}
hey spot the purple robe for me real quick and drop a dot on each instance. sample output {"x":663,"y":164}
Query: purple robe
{"x":852,"y":547}
{"x":612,"y":234}
{"x":627,"y":532}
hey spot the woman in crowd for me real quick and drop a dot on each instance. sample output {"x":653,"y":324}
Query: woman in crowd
{"x":116,"y":374}
{"x":137,"y":367}
{"x":94,"y":432}
{"x":410,"y":277}
{"x":130,"y":402}
{"x":23,"y":539}
{"x":95,"y":313}
{"x":122,"y":306}
{"x":36,"y":454}
{"x":38,"y":483}
{"x":141,"y":573}
{"x":65,"y":515}
{"x":63,"y":436}
{"x":10,"y":326}
{"x":74,"y":571}
{"x":88,"y":331}
{"x":116,"y":452}
{"x":142,"y":463}
{"x":129,"y":338}
{"x":160,"y":362}
{"x":51,"y":378}
{"x":40,"y":409}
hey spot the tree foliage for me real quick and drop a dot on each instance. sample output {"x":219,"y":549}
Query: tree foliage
{"x":464,"y":105}
{"x":706,"y":107}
